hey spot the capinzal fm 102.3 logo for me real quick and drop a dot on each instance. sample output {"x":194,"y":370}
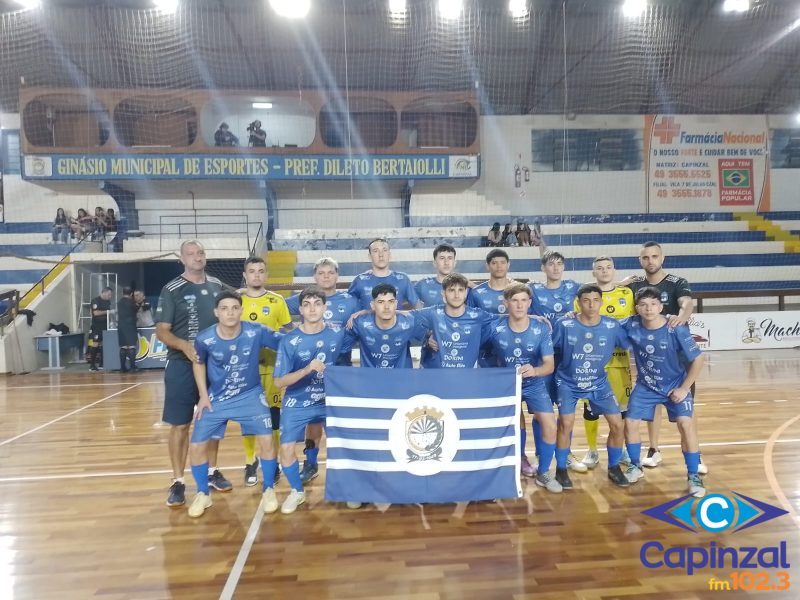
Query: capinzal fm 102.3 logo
{"x":715,"y":513}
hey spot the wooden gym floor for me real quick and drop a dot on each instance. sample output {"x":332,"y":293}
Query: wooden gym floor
{"x":84,"y":475}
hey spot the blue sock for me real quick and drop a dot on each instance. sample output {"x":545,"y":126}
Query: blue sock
{"x":292,"y":473}
{"x":311,"y":455}
{"x":546,"y":457}
{"x":537,"y":437}
{"x":523,"y":440}
{"x":635,"y":453}
{"x":200,"y":474}
{"x":268,"y":470}
{"x":692,"y":460}
{"x":614,"y":456}
{"x":561,"y":457}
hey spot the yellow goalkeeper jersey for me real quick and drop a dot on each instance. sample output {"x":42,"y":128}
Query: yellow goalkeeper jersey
{"x":268,"y":309}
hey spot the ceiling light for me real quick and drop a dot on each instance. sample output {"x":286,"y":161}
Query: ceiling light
{"x":262,"y":105}
{"x":518,"y":9}
{"x":736,"y":5}
{"x":29,"y":4}
{"x":291,"y":9}
{"x":397,"y":8}
{"x":634,"y":9}
{"x":166,"y":6}
{"x":450,"y":9}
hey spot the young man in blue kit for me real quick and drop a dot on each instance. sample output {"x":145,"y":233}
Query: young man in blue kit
{"x":230,"y":387}
{"x":429,"y":289}
{"x":520,"y":341}
{"x":668,"y":361}
{"x":361,"y":287}
{"x":303,"y":355}
{"x":583,"y":346}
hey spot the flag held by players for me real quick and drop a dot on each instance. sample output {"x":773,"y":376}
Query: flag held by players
{"x":422,"y":435}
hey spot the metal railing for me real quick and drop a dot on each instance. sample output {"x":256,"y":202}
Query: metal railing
{"x":193,"y":225}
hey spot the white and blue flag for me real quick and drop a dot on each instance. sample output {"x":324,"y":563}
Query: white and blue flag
{"x":422,"y":435}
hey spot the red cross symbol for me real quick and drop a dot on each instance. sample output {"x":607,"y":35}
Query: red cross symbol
{"x":666,"y":130}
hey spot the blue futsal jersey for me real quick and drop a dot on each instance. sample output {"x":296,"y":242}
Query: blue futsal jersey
{"x":429,"y":291}
{"x":385,"y":348}
{"x":486,"y":298}
{"x":338,"y":308}
{"x":232,"y":365}
{"x":523,"y":348}
{"x":553,"y":303}
{"x":361,"y":288}
{"x":583,"y":351}
{"x":296,"y":351}
{"x":661,"y":354}
{"x":459,"y":338}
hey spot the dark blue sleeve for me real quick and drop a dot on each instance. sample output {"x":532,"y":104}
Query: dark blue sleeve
{"x":687,"y":343}
{"x":411,"y":293}
{"x":558,"y":337}
{"x":293,"y":304}
{"x":201,"y":348}
{"x":285,"y":360}
{"x":350,"y":338}
{"x":270,"y":339}
{"x":623,"y":341}
{"x":488,"y":321}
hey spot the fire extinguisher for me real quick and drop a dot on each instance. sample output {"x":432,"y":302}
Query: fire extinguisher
{"x":527,"y":173}
{"x":517,"y":176}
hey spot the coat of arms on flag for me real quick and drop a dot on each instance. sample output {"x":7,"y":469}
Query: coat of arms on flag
{"x":422,"y":435}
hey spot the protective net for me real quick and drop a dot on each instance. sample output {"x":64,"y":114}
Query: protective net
{"x":556,"y":96}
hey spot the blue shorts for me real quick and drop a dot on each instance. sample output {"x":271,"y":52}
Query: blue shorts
{"x":294,"y":421}
{"x":537,"y":399}
{"x":602,"y":401}
{"x":551,"y":387}
{"x":180,"y":392}
{"x":251,"y":413}
{"x":643,"y":402}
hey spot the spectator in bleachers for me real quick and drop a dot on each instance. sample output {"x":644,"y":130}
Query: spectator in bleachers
{"x":257,"y":136}
{"x":82,"y":224}
{"x":223,"y":136}
{"x":99,"y":224}
{"x":523,"y":233}
{"x":507,"y":237}
{"x":111,"y":220}
{"x":494,"y":237}
{"x":61,"y":227}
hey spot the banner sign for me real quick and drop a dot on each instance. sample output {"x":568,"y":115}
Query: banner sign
{"x":701,"y":162}
{"x":421,"y":435}
{"x":243,"y":166}
{"x":746,"y":330}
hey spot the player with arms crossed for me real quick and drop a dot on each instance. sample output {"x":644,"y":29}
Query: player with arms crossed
{"x":259,"y":305}
{"x":583,"y":346}
{"x":228,"y":378}
{"x":662,"y":353}
{"x":526,"y":343}
{"x":303,"y":355}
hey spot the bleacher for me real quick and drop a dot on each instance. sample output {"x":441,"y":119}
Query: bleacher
{"x":714,"y":251}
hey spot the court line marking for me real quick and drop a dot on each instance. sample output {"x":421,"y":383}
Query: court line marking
{"x":769,"y":468}
{"x":80,"y":385}
{"x":35,"y":478}
{"x":69,"y":414}
{"x":241,"y":558}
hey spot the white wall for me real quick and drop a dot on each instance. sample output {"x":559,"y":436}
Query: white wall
{"x":57,"y":305}
{"x":785,"y":189}
{"x":29,"y":202}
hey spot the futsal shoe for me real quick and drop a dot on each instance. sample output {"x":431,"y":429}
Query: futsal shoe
{"x":546,"y":481}
{"x":633,"y":473}
{"x":354,"y":505}
{"x":702,"y":469}
{"x":177,"y":494}
{"x":199,"y":505}
{"x":526,"y":468}
{"x":653,"y":459}
{"x":562,"y":477}
{"x":696,"y":487}
{"x":217,"y":481}
{"x":617,"y":477}
{"x":251,"y":474}
{"x":293,"y":500}
{"x":269,"y":502}
{"x":626,"y":458}
{"x":591,"y":459}
{"x":309,"y":472}
{"x":573,"y":464}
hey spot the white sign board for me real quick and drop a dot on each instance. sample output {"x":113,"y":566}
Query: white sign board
{"x":746,"y":330}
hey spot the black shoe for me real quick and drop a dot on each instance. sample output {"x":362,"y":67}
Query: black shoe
{"x":93,"y":368}
{"x":177,"y":494}
{"x":616,"y":475}
{"x":251,"y":474}
{"x":217,"y":481}
{"x":562,"y":477}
